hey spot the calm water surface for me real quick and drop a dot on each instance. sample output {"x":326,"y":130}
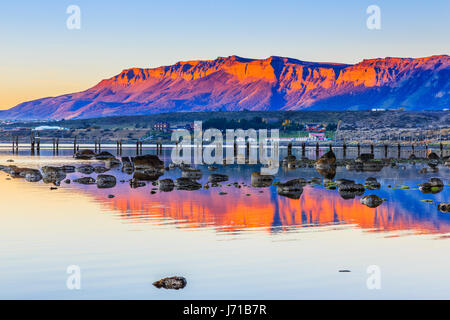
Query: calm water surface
{"x":233,"y":246}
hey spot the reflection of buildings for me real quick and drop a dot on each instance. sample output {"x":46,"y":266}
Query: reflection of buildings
{"x":236,"y":211}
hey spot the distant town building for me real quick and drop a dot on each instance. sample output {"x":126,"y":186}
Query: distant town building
{"x":314,"y":127}
{"x":377,"y":109}
{"x":42,"y":128}
{"x":161,"y":126}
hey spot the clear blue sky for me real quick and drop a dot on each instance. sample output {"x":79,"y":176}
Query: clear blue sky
{"x":41,"y":57}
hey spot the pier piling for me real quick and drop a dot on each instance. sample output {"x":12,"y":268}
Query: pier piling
{"x":289,"y":150}
{"x":32,"y":143}
{"x":38,"y":145}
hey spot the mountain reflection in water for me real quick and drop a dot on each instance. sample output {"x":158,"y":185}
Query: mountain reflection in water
{"x":269,"y":211}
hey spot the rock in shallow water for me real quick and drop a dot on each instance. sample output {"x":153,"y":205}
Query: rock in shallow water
{"x":371,"y":201}
{"x":291,"y":189}
{"x":106,"y":181}
{"x":364,"y":157}
{"x":68,"y":169}
{"x":259,"y":180}
{"x":100,"y":169}
{"x":174,"y":283}
{"x":166,"y":185}
{"x":53,"y":174}
{"x":84,"y":155}
{"x":216,"y":177}
{"x":444,"y":207}
{"x":187,"y":184}
{"x":104,"y":155}
{"x":86,"y":169}
{"x":371,"y":183}
{"x":148,"y":162}
{"x":344,"y":181}
{"x":327,"y":160}
{"x":85,"y":180}
{"x":33,"y":176}
{"x":191,"y":173}
{"x":434,"y":185}
{"x":351,"y":190}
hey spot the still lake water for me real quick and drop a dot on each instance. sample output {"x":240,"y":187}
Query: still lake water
{"x":233,"y":246}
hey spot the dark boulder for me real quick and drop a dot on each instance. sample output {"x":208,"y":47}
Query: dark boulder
{"x":68,"y":169}
{"x":432,"y":156}
{"x":444,"y":207}
{"x":291,"y":189}
{"x":100,"y":169}
{"x":350,"y":191}
{"x":87,"y":169}
{"x":106,"y":181}
{"x":187,"y":184}
{"x":166,"y":185}
{"x":134,"y":183}
{"x":104,"y":155}
{"x":371,"y":201}
{"x":364,"y":157}
{"x":85,"y":180}
{"x":371,"y":183}
{"x":85,"y":155}
{"x":174,"y":283}
{"x":33,"y":176}
{"x":52,"y":174}
{"x":191,"y":173}
{"x":259,"y":180}
{"x":148,"y":162}
{"x":216,"y":177}
{"x":327,"y":160}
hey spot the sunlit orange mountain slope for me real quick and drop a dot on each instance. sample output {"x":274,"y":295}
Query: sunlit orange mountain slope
{"x":275,"y":83}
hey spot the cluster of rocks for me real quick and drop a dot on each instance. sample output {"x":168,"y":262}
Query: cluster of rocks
{"x":146,"y":168}
{"x":434,"y":185}
{"x":56,"y":174}
{"x":91,"y":155}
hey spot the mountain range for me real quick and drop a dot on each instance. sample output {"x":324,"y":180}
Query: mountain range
{"x":234,"y":83}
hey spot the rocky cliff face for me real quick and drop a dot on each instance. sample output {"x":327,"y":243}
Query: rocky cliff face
{"x":275,"y":83}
